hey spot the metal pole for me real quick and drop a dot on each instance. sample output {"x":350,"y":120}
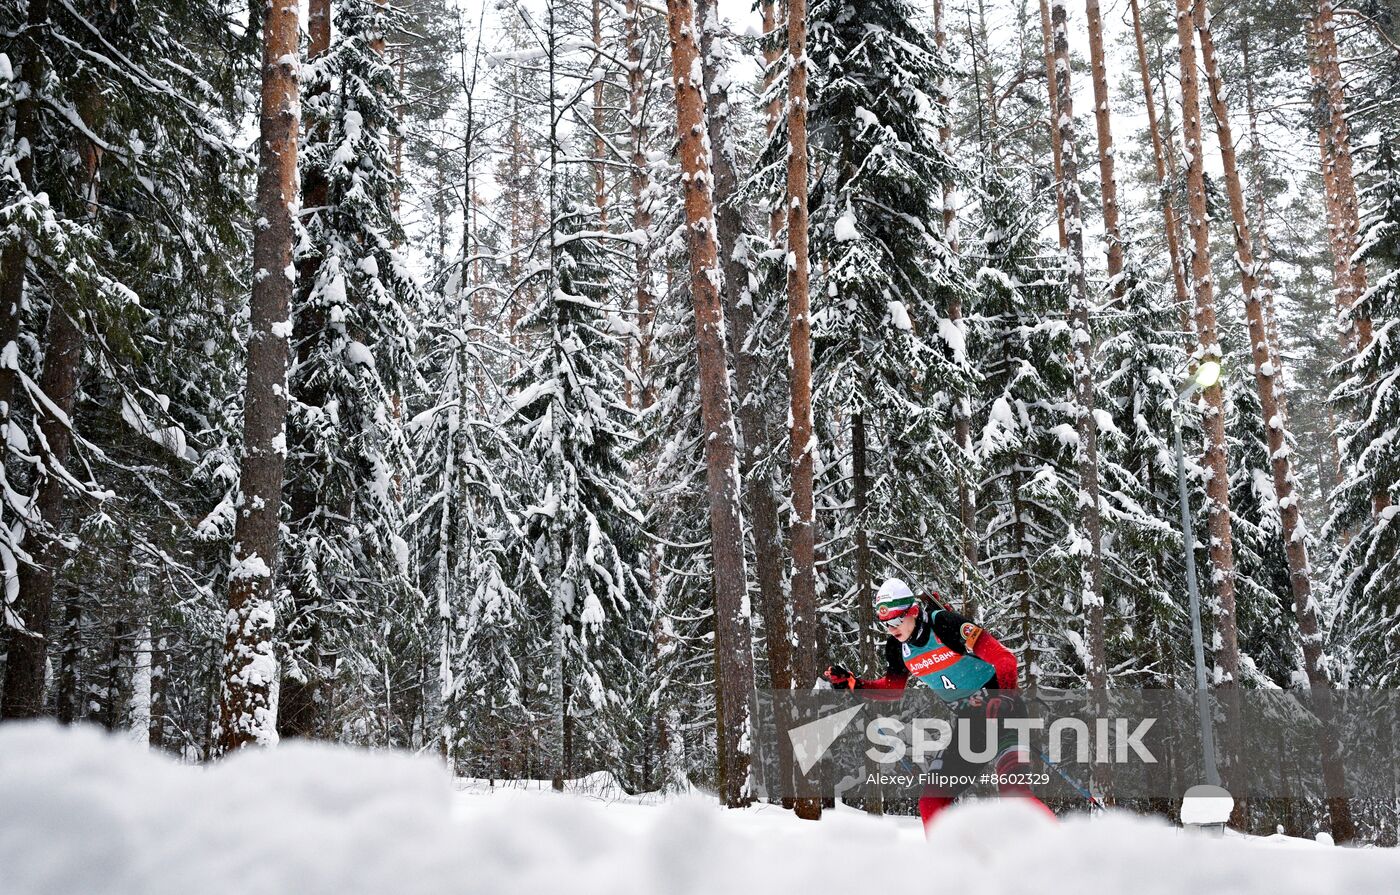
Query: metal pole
{"x":1188,"y":539}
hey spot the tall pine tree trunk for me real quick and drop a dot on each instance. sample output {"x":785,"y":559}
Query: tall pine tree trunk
{"x":69,"y":696}
{"x":600,"y":143}
{"x":732,"y":626}
{"x":640,"y":182}
{"x":1221,"y":539}
{"x":860,"y":487}
{"x":1108,"y":181}
{"x":301,"y":699}
{"x":1343,"y":207}
{"x":1264,"y":253}
{"x":1081,"y":336}
{"x":755,"y":432}
{"x":773,"y":111}
{"x":160,"y":660}
{"x":1170,"y":220}
{"x":1052,"y":85}
{"x":802,"y":438}
{"x":247,"y":699}
{"x":1270,"y":387}
{"x":1339,"y":184}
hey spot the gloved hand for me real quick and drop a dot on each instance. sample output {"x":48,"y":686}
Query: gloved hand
{"x":840,"y":678}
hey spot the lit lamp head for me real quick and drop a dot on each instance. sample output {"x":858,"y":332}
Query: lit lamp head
{"x":1208,"y":374}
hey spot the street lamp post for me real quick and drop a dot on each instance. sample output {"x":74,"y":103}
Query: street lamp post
{"x":1207,"y":374}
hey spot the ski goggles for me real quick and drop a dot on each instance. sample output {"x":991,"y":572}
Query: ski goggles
{"x":897,"y":617}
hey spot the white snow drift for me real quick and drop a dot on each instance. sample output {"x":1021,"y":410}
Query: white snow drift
{"x":82,"y":812}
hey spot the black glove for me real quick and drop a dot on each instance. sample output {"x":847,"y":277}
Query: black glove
{"x":839,"y":677}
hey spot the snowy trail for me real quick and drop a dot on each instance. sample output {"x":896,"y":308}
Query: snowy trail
{"x":83,"y":812}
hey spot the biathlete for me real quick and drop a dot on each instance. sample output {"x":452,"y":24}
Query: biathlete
{"x":969,"y":670}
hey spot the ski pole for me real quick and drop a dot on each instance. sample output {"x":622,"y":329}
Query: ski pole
{"x":1078,"y":787}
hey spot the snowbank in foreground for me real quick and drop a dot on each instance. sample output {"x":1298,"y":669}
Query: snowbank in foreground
{"x":81,"y":812}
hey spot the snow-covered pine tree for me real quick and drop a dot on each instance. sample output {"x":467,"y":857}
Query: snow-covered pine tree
{"x":890,"y":362}
{"x":1142,"y":366}
{"x":464,"y":532}
{"x":346,"y":558}
{"x":681,"y":683}
{"x":1268,"y":632}
{"x":580,"y":557}
{"x":1023,"y":431}
{"x":127,"y":192}
{"x":1367,"y":502}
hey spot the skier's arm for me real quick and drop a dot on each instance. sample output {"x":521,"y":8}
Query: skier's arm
{"x":966,"y":637}
{"x":989,"y":650}
{"x":895,"y":676}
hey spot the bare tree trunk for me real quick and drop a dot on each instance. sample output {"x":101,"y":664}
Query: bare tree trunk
{"x":1222,"y":558}
{"x":1159,"y":158}
{"x":773,"y":111}
{"x":962,"y":413}
{"x":1263,"y":245}
{"x":732,"y":631}
{"x":600,"y":144}
{"x":248,"y":697}
{"x":860,"y":487}
{"x":640,"y":182}
{"x":160,"y":659}
{"x":138,"y":705}
{"x":69,"y":698}
{"x":302,"y":696}
{"x":1108,"y":181}
{"x":27,"y":660}
{"x":1023,"y":580}
{"x":755,"y":432}
{"x":1052,"y":84}
{"x":113,"y":703}
{"x":1083,"y":356}
{"x":1270,"y":388}
{"x":802,"y":437}
{"x":1343,"y":207}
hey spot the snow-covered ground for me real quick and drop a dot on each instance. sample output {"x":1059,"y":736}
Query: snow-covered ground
{"x":83,"y":812}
